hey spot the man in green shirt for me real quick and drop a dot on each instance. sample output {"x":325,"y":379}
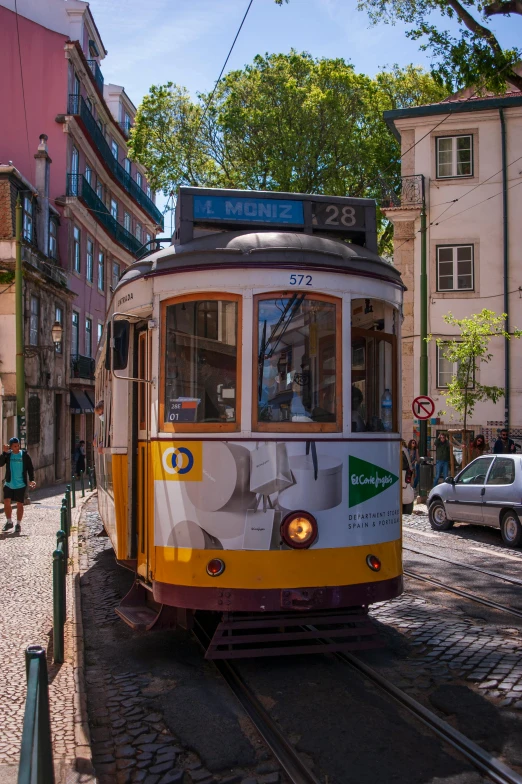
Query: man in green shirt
{"x":19,"y":474}
{"x":442,"y":455}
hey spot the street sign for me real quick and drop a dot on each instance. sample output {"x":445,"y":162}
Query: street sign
{"x":423,"y":407}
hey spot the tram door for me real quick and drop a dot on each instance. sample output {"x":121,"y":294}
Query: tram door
{"x":143,"y":490}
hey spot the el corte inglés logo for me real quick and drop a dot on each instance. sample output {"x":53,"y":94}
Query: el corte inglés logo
{"x":366,"y":480}
{"x":177,"y":461}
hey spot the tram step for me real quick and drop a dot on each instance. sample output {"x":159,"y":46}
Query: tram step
{"x":244,"y":635}
{"x":142,"y":613}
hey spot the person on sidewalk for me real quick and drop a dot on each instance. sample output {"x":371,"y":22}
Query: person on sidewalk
{"x":18,"y":469}
{"x":79,"y":458}
{"x":442,"y":457}
{"x":504,"y":445}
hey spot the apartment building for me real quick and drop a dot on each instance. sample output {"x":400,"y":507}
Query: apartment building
{"x":51,"y":56}
{"x":463,"y":157}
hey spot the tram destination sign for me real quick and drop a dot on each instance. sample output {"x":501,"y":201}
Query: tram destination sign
{"x":338,"y":216}
{"x":251,"y":210}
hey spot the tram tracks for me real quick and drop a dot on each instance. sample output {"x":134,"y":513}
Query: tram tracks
{"x":291,"y":762}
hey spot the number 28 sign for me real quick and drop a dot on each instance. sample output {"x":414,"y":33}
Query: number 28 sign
{"x":338,"y":215}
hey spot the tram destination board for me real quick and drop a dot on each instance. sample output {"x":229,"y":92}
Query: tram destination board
{"x":182,"y":409}
{"x":341,"y":217}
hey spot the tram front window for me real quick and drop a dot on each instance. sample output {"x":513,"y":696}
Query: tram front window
{"x":201,"y":362}
{"x":297,"y":361}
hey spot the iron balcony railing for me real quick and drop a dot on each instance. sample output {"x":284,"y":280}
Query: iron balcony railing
{"x":96,"y":72}
{"x":125,"y":126}
{"x":82,"y":367}
{"x":78,"y":107}
{"x":78,"y":186}
{"x":45,"y":265}
{"x":409,"y":194}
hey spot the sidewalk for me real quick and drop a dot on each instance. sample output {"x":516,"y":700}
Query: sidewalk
{"x":26,"y":618}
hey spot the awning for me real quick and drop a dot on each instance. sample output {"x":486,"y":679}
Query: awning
{"x":90,"y":398}
{"x":79,"y":403}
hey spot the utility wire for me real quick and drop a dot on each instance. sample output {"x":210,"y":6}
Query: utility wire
{"x":23,"y":87}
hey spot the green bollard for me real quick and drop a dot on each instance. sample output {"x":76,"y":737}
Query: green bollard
{"x":61,"y":539}
{"x":63,"y":524}
{"x":73,"y":487}
{"x":82,"y":484}
{"x":58,"y":604}
{"x":69,"y":507}
{"x":36,"y":750}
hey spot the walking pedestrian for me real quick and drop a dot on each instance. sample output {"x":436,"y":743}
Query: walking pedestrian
{"x":79,"y":458}
{"x":478,"y":447}
{"x":442,"y":457}
{"x":504,"y":445}
{"x":413,"y":450}
{"x":18,"y":469}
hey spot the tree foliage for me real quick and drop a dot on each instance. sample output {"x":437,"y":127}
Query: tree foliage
{"x":286,"y":122}
{"x":473,"y":57}
{"x":468,"y":351}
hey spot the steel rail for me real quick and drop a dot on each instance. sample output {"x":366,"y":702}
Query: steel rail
{"x":283,"y":751}
{"x":497,"y":771}
{"x":505,"y":577}
{"x":465,"y":594}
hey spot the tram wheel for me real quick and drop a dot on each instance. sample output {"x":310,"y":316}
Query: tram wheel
{"x":438,"y":518}
{"x":511,"y":529}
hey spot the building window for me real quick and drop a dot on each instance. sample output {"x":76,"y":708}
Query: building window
{"x":114,"y":148}
{"x":34,"y":321}
{"x":75,"y":334}
{"x":53,"y":244}
{"x":446,"y":370}
{"x":58,"y":316}
{"x":90,"y":260}
{"x":99,"y":190}
{"x":138,"y":232}
{"x":127,"y":122}
{"x":138,"y":178}
{"x":28,"y":219}
{"x":114,"y":209}
{"x":147,"y":238}
{"x":76,"y":249}
{"x":127,"y":165}
{"x":115,"y":274}
{"x":149,"y":192}
{"x":33,"y":420}
{"x":88,"y":174}
{"x":101,"y":271}
{"x":75,"y":161}
{"x":89,"y":104}
{"x":454,"y":156}
{"x":100,"y":333}
{"x":455,"y":268}
{"x":88,"y":337}
{"x":127,"y":221}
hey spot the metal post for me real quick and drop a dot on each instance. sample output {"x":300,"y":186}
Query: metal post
{"x":63,"y":525}
{"x":36,"y":751}
{"x":73,"y":487}
{"x":58,"y":605}
{"x":82,"y":484}
{"x":69,"y":507}
{"x":61,"y":538}
{"x":19,"y":318}
{"x":423,"y":434}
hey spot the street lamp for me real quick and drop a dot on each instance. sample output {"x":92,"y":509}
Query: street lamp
{"x":57,"y":333}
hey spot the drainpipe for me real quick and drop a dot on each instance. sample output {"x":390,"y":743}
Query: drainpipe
{"x":19,"y":318}
{"x":423,"y":428}
{"x":507,"y":367}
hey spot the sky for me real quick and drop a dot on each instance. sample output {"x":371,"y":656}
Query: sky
{"x":186,"y":41}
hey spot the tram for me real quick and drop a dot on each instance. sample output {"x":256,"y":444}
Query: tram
{"x":249,"y":457}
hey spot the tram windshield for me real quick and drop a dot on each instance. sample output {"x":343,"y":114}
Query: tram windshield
{"x":297,"y":360}
{"x":201,"y":362}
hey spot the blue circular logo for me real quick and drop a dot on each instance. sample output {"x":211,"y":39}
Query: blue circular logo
{"x":179,"y":464}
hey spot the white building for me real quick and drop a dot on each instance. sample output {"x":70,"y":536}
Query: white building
{"x":474,"y":233}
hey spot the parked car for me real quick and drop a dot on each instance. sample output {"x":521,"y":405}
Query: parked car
{"x":487,"y":492}
{"x":408,"y":493}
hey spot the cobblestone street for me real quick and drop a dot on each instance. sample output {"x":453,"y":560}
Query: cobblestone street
{"x":26,"y":613}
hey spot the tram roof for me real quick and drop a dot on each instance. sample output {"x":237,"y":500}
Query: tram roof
{"x":285,"y":249}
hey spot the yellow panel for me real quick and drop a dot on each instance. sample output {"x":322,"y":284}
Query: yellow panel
{"x":121,"y":502}
{"x":278,"y":568}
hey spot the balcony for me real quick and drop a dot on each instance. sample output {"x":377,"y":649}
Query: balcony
{"x":82,"y":367}
{"x":125,"y":128}
{"x":79,"y":108}
{"x":410,"y":195}
{"x":45,"y":265}
{"x":98,"y":76}
{"x":78,"y":186}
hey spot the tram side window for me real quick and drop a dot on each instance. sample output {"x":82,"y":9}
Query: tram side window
{"x":201,"y":362}
{"x":374,"y":366}
{"x":297,"y":381}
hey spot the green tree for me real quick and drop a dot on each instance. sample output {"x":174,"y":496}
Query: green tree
{"x":286,"y":122}
{"x":473,"y":57}
{"x":468,"y":351}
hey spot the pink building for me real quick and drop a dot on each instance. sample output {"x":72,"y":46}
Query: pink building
{"x":50,"y":59}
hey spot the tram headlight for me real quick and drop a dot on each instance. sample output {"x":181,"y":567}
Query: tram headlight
{"x":299,"y":530}
{"x":373,"y":562}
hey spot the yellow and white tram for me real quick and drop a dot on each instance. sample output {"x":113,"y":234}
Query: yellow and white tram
{"x":249,"y":457}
